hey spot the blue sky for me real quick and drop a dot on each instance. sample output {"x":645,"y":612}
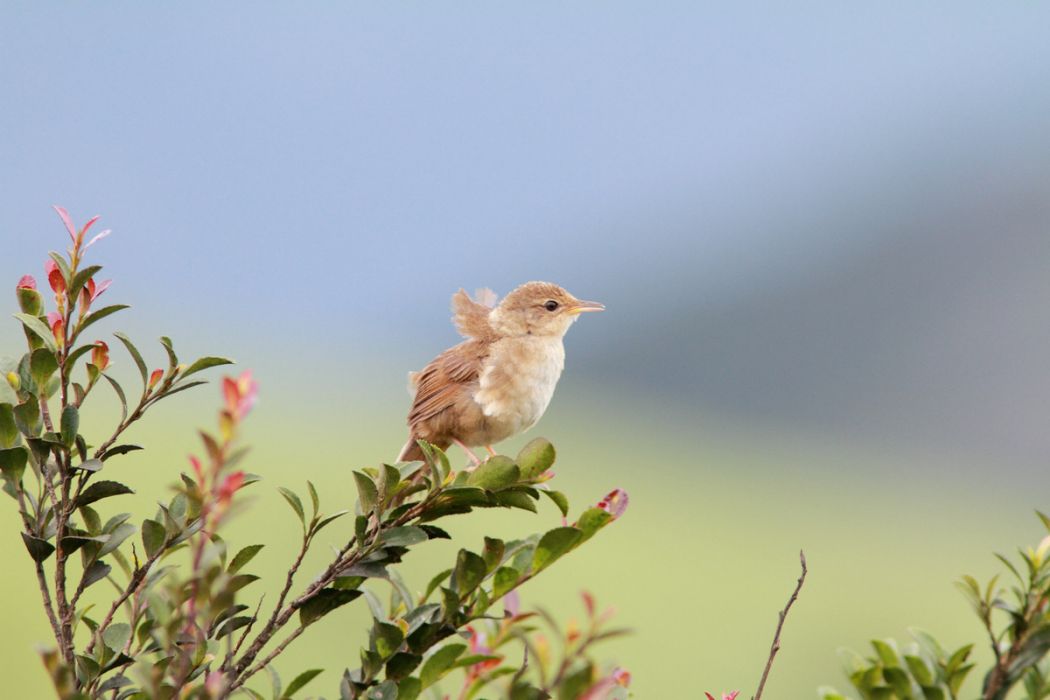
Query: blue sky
{"x":274,"y":171}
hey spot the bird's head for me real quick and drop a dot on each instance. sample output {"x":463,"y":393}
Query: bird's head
{"x":539,"y":308}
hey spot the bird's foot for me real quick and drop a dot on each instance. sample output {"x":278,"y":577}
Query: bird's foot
{"x":492,"y":452}
{"x":475,"y":462}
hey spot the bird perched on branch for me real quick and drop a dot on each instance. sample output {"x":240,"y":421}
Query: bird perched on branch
{"x":498,"y":382}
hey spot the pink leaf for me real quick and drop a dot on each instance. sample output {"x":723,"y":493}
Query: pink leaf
{"x":102,"y":286}
{"x":68,"y":222}
{"x":615,"y":502}
{"x":98,"y":237}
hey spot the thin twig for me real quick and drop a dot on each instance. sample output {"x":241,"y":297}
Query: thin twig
{"x":782,"y":615}
{"x":271,"y":624}
{"x":41,"y":577}
{"x":244,"y":635}
{"x":237,"y":672}
{"x":265,"y":662}
{"x":65,"y":611}
{"x":136,"y":580}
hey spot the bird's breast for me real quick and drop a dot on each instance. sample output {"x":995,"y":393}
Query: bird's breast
{"x":517,"y":382}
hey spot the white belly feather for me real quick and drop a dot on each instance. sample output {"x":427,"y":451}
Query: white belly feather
{"x":517,"y":383}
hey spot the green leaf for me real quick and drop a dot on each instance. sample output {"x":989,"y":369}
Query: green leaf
{"x":153,"y":536}
{"x":435,"y":582}
{"x":536,"y":457}
{"x":243,"y":557}
{"x":401,"y":664}
{"x":98,"y":315}
{"x":300,"y":681}
{"x":470,"y":570}
{"x":38,"y":549}
{"x":387,"y":690}
{"x":42,"y":364}
{"x":493,"y":552}
{"x":294,"y":502}
{"x":495,"y":473}
{"x":95,"y":573}
{"x":366,"y":491}
{"x":13,"y":463}
{"x":39,"y":329}
{"x":314,"y":500}
{"x":387,"y":637}
{"x":388,"y":479}
{"x":504,"y":580}
{"x":99,"y":490}
{"x":173,"y":359}
{"x":559,"y":500}
{"x":8,"y":430}
{"x":60,"y":260}
{"x":119,"y":534}
{"x":239,"y":581}
{"x":404,"y":536}
{"x":275,"y":679}
{"x":919,"y":670}
{"x":232,"y":625}
{"x":73,"y":356}
{"x":592,"y":520}
{"x":70,"y":423}
{"x":409,"y":688}
{"x":27,"y":417}
{"x":439,"y":663}
{"x":119,"y":450}
{"x":120,"y":395}
{"x":90,"y":465}
{"x":80,"y":279}
{"x":324,"y":522}
{"x":516,"y":499}
{"x":136,"y":356}
{"x":205,"y":363}
{"x":554,"y":544}
{"x":326,"y":600}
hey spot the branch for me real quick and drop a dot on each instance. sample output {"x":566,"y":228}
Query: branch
{"x":266,"y":662}
{"x":782,"y":615}
{"x":238,"y":672}
{"x":136,"y":580}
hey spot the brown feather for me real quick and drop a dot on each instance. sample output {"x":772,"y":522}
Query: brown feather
{"x":471,"y":317}
{"x":444,"y":395}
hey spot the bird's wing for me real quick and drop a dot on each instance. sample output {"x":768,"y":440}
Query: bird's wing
{"x":441,"y":382}
{"x":472,"y":317}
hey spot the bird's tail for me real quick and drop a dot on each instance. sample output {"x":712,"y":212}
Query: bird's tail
{"x":411,"y":452}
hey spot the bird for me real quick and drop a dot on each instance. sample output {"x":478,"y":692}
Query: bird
{"x":498,"y":382}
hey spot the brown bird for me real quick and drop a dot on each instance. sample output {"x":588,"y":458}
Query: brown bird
{"x":498,"y":382}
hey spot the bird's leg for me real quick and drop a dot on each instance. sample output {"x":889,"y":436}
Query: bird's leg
{"x":470,"y":453}
{"x":492,"y":452}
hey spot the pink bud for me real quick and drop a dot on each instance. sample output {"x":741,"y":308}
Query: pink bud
{"x":512,"y":603}
{"x":588,"y":602}
{"x":54,"y":277}
{"x":230,"y":485}
{"x":58,"y":326}
{"x":27,"y":282}
{"x":197,"y":469}
{"x":240,"y":394}
{"x":614,"y":503}
{"x":100,"y":355}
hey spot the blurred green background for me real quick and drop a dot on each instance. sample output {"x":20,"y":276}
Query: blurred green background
{"x":821,"y":232}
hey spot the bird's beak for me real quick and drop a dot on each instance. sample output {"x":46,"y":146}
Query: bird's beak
{"x":581,"y":306}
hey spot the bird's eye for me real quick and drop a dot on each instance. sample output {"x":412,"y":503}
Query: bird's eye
{"x":551,"y":305}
